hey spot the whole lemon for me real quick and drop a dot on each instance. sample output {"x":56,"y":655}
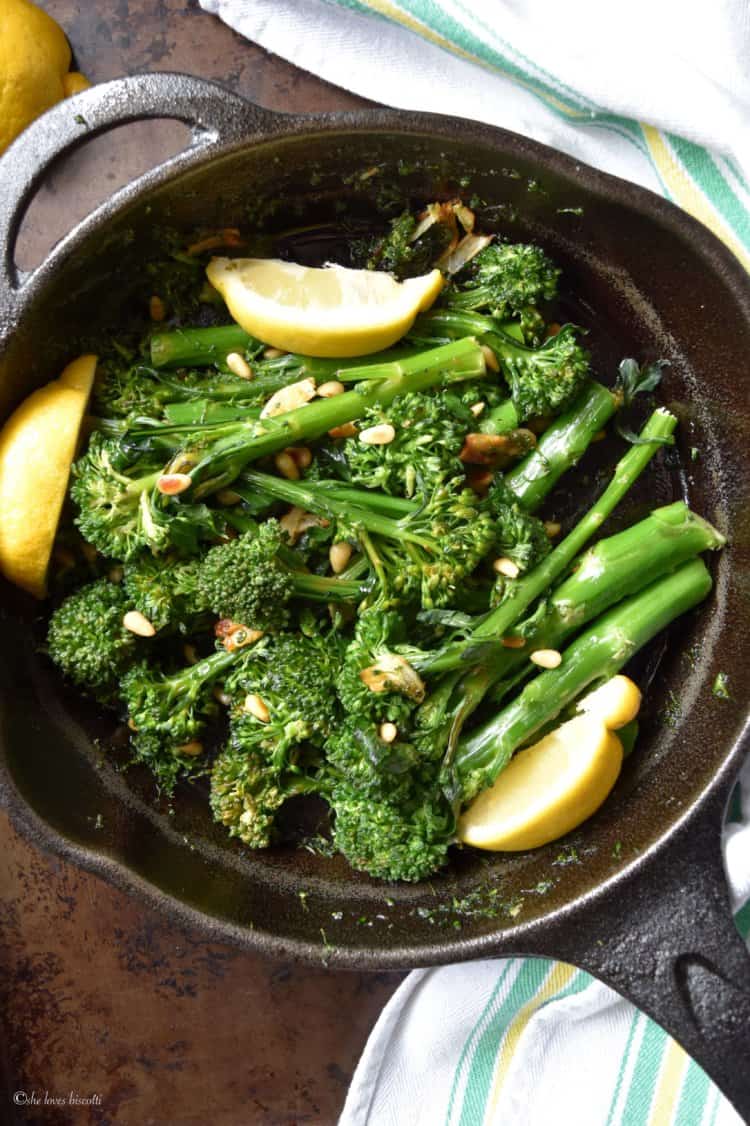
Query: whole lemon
{"x":34,"y":63}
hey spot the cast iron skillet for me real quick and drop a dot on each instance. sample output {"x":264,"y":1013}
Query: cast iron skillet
{"x":638,"y":895}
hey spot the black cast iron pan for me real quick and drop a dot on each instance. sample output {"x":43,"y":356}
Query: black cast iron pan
{"x":638,"y":895}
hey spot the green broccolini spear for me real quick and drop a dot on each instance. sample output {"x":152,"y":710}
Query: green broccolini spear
{"x":599,"y":653}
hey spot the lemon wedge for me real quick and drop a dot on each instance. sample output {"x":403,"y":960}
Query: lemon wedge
{"x":547,"y":789}
{"x":34,"y":61}
{"x":37,"y":446}
{"x":330,"y":311}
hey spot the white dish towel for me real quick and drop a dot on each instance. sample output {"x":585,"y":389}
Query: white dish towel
{"x":658,"y":93}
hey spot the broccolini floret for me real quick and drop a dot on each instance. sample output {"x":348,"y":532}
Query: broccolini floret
{"x":168,"y":713}
{"x":543,"y":381}
{"x":393,"y":841}
{"x":282,"y":695}
{"x":429,"y":434}
{"x":503,"y":279}
{"x":246,"y":794}
{"x":88,"y":641}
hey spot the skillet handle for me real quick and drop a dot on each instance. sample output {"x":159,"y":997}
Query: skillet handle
{"x":215,"y":114}
{"x":667,"y":941}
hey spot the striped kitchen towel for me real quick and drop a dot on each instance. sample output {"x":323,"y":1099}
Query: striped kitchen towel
{"x":531,"y":1042}
{"x":657,"y":93}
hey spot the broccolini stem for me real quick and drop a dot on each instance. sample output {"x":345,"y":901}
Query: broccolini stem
{"x":500,"y":419}
{"x":598,"y":653}
{"x":225,"y":458}
{"x":315,"y":499}
{"x":615,"y":568}
{"x":199,"y":347}
{"x":329,"y":588}
{"x":520,"y":593}
{"x":561,"y":446}
{"x":207,"y":669}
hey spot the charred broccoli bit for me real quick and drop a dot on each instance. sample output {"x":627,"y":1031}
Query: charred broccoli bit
{"x":88,"y":641}
{"x":168,"y":713}
{"x":409,"y":249}
{"x":542,"y":381}
{"x":429,"y":435}
{"x":283,"y":704}
{"x":503,"y":280}
{"x":252,"y":579}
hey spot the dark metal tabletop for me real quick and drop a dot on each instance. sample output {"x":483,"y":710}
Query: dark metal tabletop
{"x":108,"y":1014}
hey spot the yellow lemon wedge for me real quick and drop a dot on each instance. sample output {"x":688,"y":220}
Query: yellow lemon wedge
{"x":616,"y":702}
{"x":547,"y":789}
{"x":330,"y":311}
{"x":34,"y":61}
{"x":37,"y":447}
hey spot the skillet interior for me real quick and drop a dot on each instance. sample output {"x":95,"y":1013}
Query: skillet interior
{"x":648,"y":286}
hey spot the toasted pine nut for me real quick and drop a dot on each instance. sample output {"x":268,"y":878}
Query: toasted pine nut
{"x":505,"y":566}
{"x":331,"y":388}
{"x":387,"y":732}
{"x":131,"y":725}
{"x":228,"y":497}
{"x":477,"y":408}
{"x":513,"y":642}
{"x":193,"y":748}
{"x":239,"y":365}
{"x":221,"y":696}
{"x":157,"y":309}
{"x":286,"y":466}
{"x":296,"y":522}
{"x":490,"y":358}
{"x":379,"y":435}
{"x":138,"y":624}
{"x":257,"y":707}
{"x":190,"y":654}
{"x":339,"y":555}
{"x":552,"y":528}
{"x":348,"y":430}
{"x":115,"y":574}
{"x":289,"y":398}
{"x":301,"y":455}
{"x":273,"y":353}
{"x":171,"y":484}
{"x":546,"y":658}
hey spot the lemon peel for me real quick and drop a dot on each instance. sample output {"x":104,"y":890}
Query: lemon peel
{"x":37,"y":446}
{"x":330,"y":311}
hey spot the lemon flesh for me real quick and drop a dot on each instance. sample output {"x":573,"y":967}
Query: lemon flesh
{"x":34,"y":57}
{"x":37,"y":447}
{"x":330,"y":311}
{"x":547,"y":789}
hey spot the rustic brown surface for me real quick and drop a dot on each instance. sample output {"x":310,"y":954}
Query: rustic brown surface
{"x":99,"y":995}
